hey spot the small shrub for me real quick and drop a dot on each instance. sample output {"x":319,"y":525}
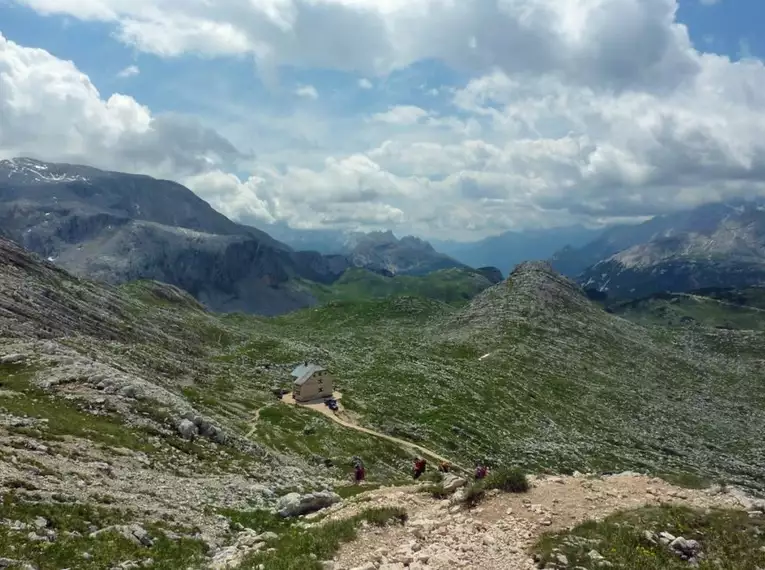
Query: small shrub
{"x":436,"y":491}
{"x":508,"y":480}
{"x":19,"y":484}
{"x":384,"y":516}
{"x":302,"y":549}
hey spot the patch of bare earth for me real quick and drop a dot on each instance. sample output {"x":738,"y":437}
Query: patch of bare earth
{"x":499,"y":533}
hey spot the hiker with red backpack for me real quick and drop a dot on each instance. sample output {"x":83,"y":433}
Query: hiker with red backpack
{"x":419,"y":467}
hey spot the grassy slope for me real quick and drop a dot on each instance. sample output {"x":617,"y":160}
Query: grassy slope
{"x":567,"y":386}
{"x":729,"y":311}
{"x":448,"y":285}
{"x":730,"y":540}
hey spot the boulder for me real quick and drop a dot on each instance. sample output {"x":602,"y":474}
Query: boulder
{"x":295,"y":504}
{"x":451,"y":482}
{"x":212,"y":432}
{"x":12,"y":358}
{"x":187,"y":429}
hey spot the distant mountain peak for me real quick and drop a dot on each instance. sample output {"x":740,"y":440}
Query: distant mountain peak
{"x":24,"y":170}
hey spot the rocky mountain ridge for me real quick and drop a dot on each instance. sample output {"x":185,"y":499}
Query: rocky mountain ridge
{"x":118,"y":227}
{"x":716,"y":245}
{"x":383,"y":252}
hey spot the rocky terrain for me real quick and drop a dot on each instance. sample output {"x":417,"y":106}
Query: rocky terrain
{"x":383,"y":252}
{"x":504,"y":531}
{"x":716,"y":245}
{"x":137,"y":429}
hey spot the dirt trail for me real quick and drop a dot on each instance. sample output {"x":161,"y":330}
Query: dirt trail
{"x":499,"y":534}
{"x":256,"y":419}
{"x":342,"y":418}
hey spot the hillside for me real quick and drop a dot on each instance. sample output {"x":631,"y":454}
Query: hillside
{"x":118,"y":227}
{"x":644,"y":396}
{"x":447,"y":285}
{"x":720,"y":308}
{"x":134,"y":405}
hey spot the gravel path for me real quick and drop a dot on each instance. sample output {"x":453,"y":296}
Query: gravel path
{"x":499,"y":534}
{"x":342,"y":418}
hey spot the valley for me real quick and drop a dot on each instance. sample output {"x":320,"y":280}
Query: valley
{"x":138,"y":402}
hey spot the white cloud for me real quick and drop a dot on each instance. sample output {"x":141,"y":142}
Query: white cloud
{"x":401,"y":115}
{"x":49,"y":109}
{"x":582,"y":40}
{"x":231,"y":196}
{"x":576,"y":110}
{"x":129,"y":71}
{"x":307,"y":91}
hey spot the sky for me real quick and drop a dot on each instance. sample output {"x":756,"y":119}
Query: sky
{"x":442,"y":118}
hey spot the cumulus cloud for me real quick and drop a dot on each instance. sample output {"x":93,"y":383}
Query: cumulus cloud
{"x":49,"y":109}
{"x":580,"y":39}
{"x":571,"y":111}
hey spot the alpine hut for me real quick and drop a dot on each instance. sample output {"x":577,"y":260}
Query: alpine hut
{"x":312,"y":382}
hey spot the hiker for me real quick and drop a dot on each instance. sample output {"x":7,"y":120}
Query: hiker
{"x":359,"y":473}
{"x":445,"y":467}
{"x":419,"y":467}
{"x":480,"y":472}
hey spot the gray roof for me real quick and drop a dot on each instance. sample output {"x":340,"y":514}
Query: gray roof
{"x":302,"y":373}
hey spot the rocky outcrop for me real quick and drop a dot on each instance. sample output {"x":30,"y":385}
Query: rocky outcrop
{"x":382,"y":252}
{"x":493,"y":274}
{"x":295,"y":504}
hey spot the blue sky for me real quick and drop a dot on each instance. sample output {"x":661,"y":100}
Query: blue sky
{"x":459,"y":121}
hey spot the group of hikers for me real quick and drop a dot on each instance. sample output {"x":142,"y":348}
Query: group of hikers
{"x":420,"y":465}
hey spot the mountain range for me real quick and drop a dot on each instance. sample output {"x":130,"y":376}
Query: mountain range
{"x":508,"y":249}
{"x":118,"y":227}
{"x":714,"y":245}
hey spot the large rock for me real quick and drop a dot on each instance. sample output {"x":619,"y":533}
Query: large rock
{"x":295,"y":504}
{"x":452,"y":482}
{"x":187,"y":429}
{"x":12,"y":358}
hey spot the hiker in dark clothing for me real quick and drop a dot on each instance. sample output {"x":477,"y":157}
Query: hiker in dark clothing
{"x":359,"y":472}
{"x":480,"y":472}
{"x":419,"y":467}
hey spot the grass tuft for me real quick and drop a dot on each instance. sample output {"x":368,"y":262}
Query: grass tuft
{"x":730,"y":540}
{"x":503,"y":479}
{"x":508,"y":480}
{"x":305,"y":549}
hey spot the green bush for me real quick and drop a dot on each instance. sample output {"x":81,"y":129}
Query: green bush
{"x":435,"y":490}
{"x":384,"y":516}
{"x":508,"y":480}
